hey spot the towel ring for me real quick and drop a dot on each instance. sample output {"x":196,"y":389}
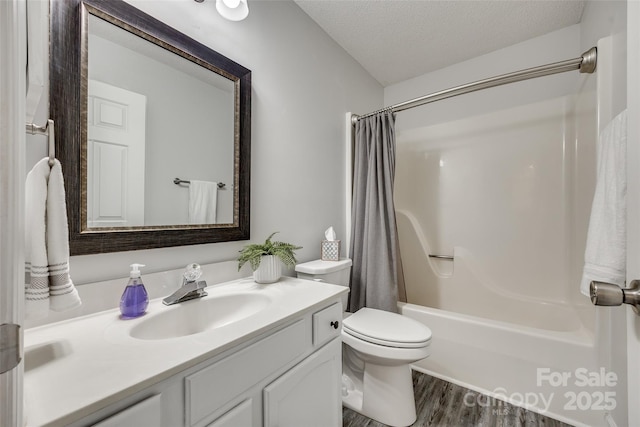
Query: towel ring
{"x":49,"y":130}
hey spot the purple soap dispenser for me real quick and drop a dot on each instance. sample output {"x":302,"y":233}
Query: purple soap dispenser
{"x":135,"y":300}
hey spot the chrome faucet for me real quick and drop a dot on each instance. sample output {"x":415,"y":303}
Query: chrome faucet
{"x":191,"y":288}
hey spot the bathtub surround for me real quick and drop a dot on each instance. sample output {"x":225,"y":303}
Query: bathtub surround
{"x":374,"y":250}
{"x":606,"y":252}
{"x":48,"y":285}
{"x":513,"y":267}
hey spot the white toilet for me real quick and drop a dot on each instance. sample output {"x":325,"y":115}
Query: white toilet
{"x":378,"y":348}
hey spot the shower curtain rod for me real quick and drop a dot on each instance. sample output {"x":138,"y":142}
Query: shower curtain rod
{"x":585,"y":63}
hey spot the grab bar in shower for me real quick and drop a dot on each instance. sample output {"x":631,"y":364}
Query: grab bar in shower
{"x":443,"y":257}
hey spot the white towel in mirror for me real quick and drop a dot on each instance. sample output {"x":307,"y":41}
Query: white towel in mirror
{"x":203,"y":198}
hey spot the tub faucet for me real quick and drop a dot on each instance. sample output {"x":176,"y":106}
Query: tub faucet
{"x":191,"y":288}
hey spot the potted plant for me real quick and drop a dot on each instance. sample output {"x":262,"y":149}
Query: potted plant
{"x":266,"y":259}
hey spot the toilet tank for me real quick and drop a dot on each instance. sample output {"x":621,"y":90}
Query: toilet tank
{"x":336,"y":272}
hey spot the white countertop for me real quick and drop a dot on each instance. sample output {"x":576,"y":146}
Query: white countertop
{"x":76,"y":367}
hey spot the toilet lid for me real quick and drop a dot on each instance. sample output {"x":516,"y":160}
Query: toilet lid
{"x":385,"y":328}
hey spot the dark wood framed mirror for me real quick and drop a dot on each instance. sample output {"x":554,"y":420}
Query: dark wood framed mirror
{"x":98,"y":44}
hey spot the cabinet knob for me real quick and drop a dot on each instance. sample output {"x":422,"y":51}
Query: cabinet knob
{"x":335,"y":324}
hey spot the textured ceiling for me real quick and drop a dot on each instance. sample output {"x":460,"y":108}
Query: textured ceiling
{"x":396,"y":40}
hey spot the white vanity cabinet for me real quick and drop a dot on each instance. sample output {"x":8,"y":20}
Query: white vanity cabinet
{"x":308,"y":394}
{"x":305,"y":394}
{"x":287,"y":376}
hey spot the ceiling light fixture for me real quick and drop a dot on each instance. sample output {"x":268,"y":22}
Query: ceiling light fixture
{"x":233,"y":10}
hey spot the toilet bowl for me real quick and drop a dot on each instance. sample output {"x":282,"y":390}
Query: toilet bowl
{"x":378,"y":348}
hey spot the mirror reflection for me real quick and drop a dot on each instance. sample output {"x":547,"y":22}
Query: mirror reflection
{"x":154,"y":116}
{"x":138,"y":104}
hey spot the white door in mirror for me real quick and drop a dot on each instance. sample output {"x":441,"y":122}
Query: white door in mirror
{"x":115,"y":156}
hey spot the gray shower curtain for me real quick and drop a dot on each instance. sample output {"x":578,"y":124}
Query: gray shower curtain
{"x":374,"y":248}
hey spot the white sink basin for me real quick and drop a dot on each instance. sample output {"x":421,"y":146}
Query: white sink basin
{"x":200,"y":315}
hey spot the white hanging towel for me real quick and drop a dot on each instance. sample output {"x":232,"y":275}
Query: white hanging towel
{"x":35,"y":255}
{"x":606,"y":251}
{"x":47,"y":285}
{"x":203,"y":198}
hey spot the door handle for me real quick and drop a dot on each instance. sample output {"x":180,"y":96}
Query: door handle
{"x":608,"y":294}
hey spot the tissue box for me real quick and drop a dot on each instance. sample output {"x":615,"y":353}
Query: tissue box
{"x":330,"y":250}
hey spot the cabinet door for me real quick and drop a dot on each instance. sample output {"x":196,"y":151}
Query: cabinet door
{"x":240,"y":416}
{"x":309,"y":394}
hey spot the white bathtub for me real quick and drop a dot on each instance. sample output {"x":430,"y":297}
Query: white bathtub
{"x":514,"y":363}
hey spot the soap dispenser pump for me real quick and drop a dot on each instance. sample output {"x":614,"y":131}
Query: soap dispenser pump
{"x":135,"y":300}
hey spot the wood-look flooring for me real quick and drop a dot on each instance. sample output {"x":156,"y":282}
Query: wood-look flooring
{"x":441,"y":404}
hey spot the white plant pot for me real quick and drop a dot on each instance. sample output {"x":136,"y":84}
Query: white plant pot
{"x":269,"y":270}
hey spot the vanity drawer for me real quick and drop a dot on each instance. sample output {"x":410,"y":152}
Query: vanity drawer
{"x":327,"y":324}
{"x":147,"y":412}
{"x":209,"y":389}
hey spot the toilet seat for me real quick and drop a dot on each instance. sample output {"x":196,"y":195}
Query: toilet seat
{"x":387,"y":329}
